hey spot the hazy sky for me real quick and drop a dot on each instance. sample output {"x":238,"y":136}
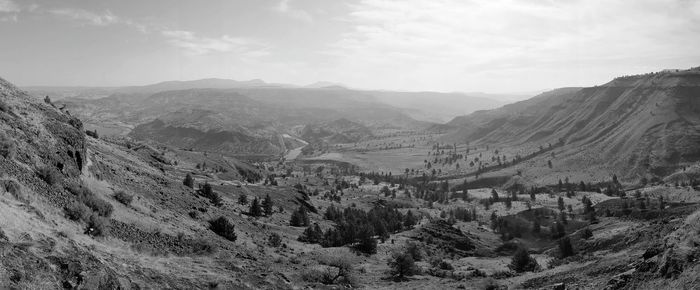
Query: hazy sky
{"x":440,"y":45}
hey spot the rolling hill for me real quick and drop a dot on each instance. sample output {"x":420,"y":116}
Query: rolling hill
{"x":638,"y":126}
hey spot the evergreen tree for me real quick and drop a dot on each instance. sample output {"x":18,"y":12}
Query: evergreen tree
{"x":243,"y":199}
{"x":313,"y":234}
{"x":255,"y":209}
{"x":366,"y":242}
{"x":189,"y":181}
{"x":560,"y":203}
{"x":300,"y":218}
{"x":522,"y":261}
{"x":267,"y":205}
{"x":565,"y":248}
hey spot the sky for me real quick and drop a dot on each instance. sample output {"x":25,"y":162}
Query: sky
{"x":495,"y":46}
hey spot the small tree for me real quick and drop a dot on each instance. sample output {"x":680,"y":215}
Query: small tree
{"x":267,"y":205}
{"x":223,"y":227}
{"x":522,"y":261}
{"x":402,"y":265}
{"x":367,"y":243}
{"x":255,"y":209}
{"x":243,"y":199}
{"x":565,"y":248}
{"x":189,"y":181}
{"x":300,"y":218}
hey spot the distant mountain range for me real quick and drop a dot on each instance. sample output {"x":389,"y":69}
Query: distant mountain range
{"x":423,"y":106}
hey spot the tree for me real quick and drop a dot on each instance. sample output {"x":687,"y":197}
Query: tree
{"x":313,"y":234}
{"x":560,"y":203}
{"x":267,"y":205}
{"x":494,"y":195}
{"x":402,"y":265}
{"x":243,"y":199}
{"x":367,"y":243}
{"x":410,"y":220}
{"x":565,"y":248}
{"x":189,"y":181}
{"x":300,"y":218}
{"x":223,"y":227}
{"x":255,"y":209}
{"x":522,"y":261}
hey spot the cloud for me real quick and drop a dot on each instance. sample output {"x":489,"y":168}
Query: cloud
{"x":99,"y":19}
{"x":198,"y":45}
{"x":8,"y":11}
{"x":455,"y":43}
{"x":299,"y":14}
{"x":7,"y":6}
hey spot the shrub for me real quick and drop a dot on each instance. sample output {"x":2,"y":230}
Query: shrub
{"x":415,"y":250}
{"x":4,"y":107}
{"x":490,"y":284}
{"x":587,"y":233}
{"x":193,"y":214}
{"x":87,"y":197}
{"x":8,"y":148}
{"x":77,"y":211}
{"x":92,"y":134}
{"x":223,"y":227}
{"x":123,"y":197}
{"x":402,"y":265}
{"x":522,"y":261}
{"x":48,"y":175}
{"x":339,"y":272}
{"x":275,"y":240}
{"x":97,"y":226}
{"x":203,"y":247}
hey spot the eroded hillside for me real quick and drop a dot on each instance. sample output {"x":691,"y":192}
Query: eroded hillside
{"x":646,"y":126}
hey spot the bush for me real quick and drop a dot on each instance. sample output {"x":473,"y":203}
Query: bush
{"x":97,"y":226}
{"x":203,"y":247}
{"x":4,"y":107}
{"x":522,"y":261}
{"x":123,"y":197}
{"x":275,"y":240}
{"x":77,"y":211}
{"x":586,"y":234}
{"x":49,"y":175}
{"x":8,"y":148}
{"x":415,"y":250}
{"x":87,"y":197}
{"x":92,"y":134}
{"x":490,"y":284}
{"x":193,"y":214}
{"x":223,"y":227}
{"x":402,"y":265}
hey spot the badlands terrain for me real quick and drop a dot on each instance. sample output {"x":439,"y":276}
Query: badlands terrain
{"x":219,"y":184}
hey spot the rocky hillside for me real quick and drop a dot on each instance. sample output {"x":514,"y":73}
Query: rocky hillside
{"x":648,"y":125}
{"x":79,"y":212}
